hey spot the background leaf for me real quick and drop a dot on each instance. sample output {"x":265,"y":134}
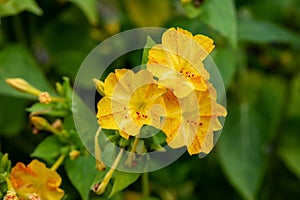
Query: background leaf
{"x":89,"y":8}
{"x":14,"y":7}
{"x":226,"y":63}
{"x":123,"y":180}
{"x":246,"y":135}
{"x":221,"y":16}
{"x":16,"y":61}
{"x":12,"y":118}
{"x":81,"y":173}
{"x":42,"y":150}
{"x":265,"y":32}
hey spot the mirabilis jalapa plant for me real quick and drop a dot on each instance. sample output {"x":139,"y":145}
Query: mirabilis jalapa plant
{"x":172,"y":94}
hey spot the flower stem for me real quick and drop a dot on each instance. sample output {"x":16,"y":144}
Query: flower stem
{"x":100,"y":166}
{"x":103,"y":185}
{"x":58,"y":162}
{"x":130,"y":157}
{"x":145,"y":185}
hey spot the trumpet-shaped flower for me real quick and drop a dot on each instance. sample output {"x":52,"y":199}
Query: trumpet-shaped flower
{"x":191,"y":120}
{"x":178,"y":61}
{"x":36,"y":178}
{"x":131,"y":100}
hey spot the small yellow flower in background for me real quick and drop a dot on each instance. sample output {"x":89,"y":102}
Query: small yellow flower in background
{"x":36,"y":178}
{"x":178,"y":61}
{"x":131,"y":100}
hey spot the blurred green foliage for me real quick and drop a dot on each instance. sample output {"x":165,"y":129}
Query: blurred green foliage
{"x":257,"y":53}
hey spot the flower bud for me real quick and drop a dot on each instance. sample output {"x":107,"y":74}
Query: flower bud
{"x":99,"y":86}
{"x":44,"y":98}
{"x":22,"y":86}
{"x":41,"y":123}
{"x":74,"y":154}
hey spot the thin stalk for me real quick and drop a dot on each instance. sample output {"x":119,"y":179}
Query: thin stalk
{"x":58,"y":162}
{"x":145,"y":186}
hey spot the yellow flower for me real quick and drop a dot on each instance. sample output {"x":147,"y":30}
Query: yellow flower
{"x":131,"y":100}
{"x":191,"y":120}
{"x":36,"y":178}
{"x":178,"y":61}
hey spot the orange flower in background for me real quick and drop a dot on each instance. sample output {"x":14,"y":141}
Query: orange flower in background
{"x":191,"y":120}
{"x":131,"y":100}
{"x":178,"y":61}
{"x":36,"y":178}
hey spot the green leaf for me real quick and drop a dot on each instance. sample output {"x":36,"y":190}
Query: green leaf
{"x":250,"y":127}
{"x":48,"y":150}
{"x":289,"y":149}
{"x":122,"y":180}
{"x":16,"y":61}
{"x":82,"y":173}
{"x":225,"y":59}
{"x":221,"y":16}
{"x":14,"y":7}
{"x":149,"y":44}
{"x":12,"y":116}
{"x":265,"y":32}
{"x":51,"y":109}
{"x":89,"y":8}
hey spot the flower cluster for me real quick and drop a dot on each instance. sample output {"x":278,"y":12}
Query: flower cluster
{"x":172,"y":94}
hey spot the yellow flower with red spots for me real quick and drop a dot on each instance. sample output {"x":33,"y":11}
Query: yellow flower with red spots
{"x":36,"y":178}
{"x":130,"y":102}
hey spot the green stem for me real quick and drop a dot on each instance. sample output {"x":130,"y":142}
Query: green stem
{"x":145,"y":186}
{"x":58,"y":162}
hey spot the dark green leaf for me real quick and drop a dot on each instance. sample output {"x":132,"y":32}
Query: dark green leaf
{"x":249,"y":128}
{"x":12,"y":116}
{"x":48,"y":150}
{"x":14,"y":7}
{"x":265,"y":32}
{"x":289,"y":149}
{"x":122,"y":180}
{"x":16,"y":61}
{"x":221,"y":15}
{"x":89,"y":8}
{"x":225,"y":59}
{"x":82,"y":172}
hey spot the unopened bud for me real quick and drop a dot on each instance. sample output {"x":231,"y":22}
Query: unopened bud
{"x":44,"y":98}
{"x":22,"y":86}
{"x":74,"y":154}
{"x":10,"y":195}
{"x":99,"y":86}
{"x":41,"y":123}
